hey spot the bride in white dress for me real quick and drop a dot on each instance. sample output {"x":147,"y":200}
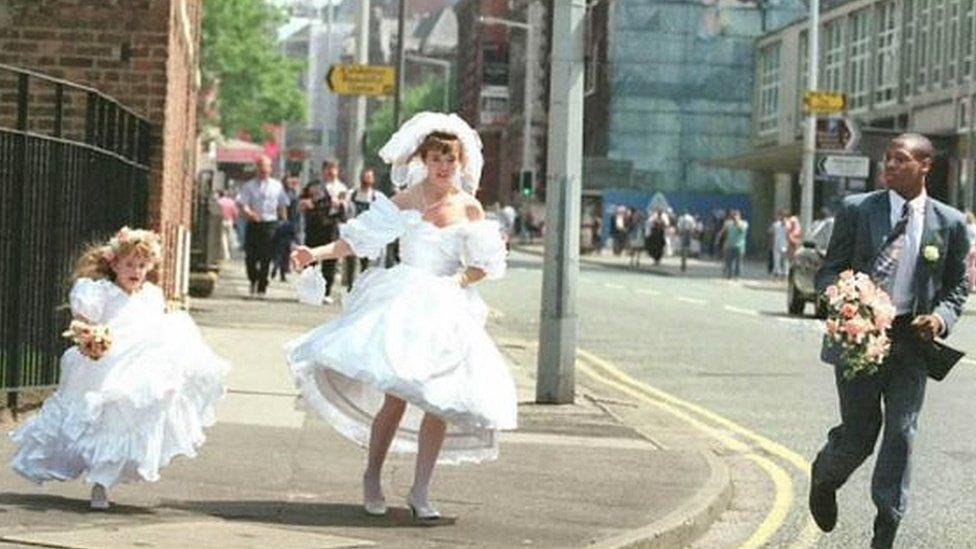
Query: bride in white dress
{"x":415,"y":333}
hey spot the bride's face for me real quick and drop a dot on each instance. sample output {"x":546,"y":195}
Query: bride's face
{"x":442,"y":166}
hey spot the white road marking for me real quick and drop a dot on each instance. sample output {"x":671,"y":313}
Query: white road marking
{"x":613,"y":286}
{"x":740,"y":310}
{"x":692,"y":300}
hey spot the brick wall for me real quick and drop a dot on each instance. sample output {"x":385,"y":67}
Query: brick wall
{"x":143,"y":53}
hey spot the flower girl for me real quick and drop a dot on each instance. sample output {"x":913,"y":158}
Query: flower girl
{"x":137,"y":388}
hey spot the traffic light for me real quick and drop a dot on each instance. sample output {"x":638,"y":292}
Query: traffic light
{"x":525,"y":183}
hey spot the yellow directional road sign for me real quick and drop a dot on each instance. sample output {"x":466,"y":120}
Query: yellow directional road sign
{"x":824,"y":102}
{"x":361,"y":79}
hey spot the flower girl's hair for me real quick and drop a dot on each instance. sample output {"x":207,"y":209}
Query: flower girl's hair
{"x":96,"y":261}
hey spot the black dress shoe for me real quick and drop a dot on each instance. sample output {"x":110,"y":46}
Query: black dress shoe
{"x":823,"y":506}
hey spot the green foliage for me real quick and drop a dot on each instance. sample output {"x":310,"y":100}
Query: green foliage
{"x":428,"y":96}
{"x":257,"y":83}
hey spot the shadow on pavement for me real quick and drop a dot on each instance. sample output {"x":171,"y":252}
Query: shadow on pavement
{"x":47,"y":502}
{"x":305,"y":514}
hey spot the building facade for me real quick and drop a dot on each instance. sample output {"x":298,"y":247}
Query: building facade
{"x":492,"y":64}
{"x":904,"y":65}
{"x":145,"y":53}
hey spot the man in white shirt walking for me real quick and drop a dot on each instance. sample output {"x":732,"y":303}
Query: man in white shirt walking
{"x":262,"y":201}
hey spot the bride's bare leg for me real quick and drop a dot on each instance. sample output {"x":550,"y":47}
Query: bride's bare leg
{"x":431,"y":438}
{"x":380,"y":437}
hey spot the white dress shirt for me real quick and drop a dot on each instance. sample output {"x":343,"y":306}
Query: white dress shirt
{"x":263,"y":196}
{"x":903,"y":287}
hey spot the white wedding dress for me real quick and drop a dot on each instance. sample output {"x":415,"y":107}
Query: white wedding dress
{"x":122,"y":417}
{"x":413,"y":332}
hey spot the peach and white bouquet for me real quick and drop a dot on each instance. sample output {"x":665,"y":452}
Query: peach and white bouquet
{"x":93,"y":341}
{"x":859,"y":314}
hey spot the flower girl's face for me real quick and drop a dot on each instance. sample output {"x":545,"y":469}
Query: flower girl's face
{"x":131,"y":270}
{"x":442,"y":166}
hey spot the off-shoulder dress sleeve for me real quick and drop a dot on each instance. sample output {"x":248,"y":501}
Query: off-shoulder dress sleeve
{"x":485,"y":249}
{"x":369,"y":233}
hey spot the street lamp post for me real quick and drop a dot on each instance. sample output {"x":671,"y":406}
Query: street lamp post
{"x":446,"y":65}
{"x":529,"y":92}
{"x":810,"y":132}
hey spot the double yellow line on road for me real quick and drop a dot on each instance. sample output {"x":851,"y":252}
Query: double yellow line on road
{"x":607,"y":373}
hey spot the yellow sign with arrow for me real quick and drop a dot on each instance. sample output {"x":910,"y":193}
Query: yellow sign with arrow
{"x":824,"y":102}
{"x":349,"y":79}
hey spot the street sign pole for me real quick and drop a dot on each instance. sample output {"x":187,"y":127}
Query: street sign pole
{"x":398,"y":93}
{"x":807,"y":179}
{"x":354,"y":157}
{"x":556,"y":376}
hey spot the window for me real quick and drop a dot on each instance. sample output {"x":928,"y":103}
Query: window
{"x":860,"y":25}
{"x":908,"y":49}
{"x":966,"y":41}
{"x":886,"y":62}
{"x":833,"y":62}
{"x":768,"y":88}
{"x":921,"y":44}
{"x":804,"y":77}
{"x":937,"y":51}
{"x":952,"y":41}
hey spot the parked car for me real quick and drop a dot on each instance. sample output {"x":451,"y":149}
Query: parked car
{"x":803,"y":267}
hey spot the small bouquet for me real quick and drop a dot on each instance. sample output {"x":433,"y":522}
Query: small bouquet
{"x":92,"y":340}
{"x":858,"y":315}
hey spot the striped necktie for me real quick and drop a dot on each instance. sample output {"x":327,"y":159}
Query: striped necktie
{"x":886,"y":264}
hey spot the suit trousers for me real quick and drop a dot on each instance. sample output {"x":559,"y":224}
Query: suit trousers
{"x":899,"y":386}
{"x":259,"y":249}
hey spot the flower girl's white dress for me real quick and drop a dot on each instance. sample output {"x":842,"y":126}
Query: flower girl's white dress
{"x":413,"y":332}
{"x":122,"y":417}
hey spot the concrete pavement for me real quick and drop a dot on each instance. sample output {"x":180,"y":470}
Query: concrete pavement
{"x":571,"y":475}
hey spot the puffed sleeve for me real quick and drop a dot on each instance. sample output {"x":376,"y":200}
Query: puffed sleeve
{"x":369,"y":233}
{"x":87,"y":298}
{"x":485,"y":249}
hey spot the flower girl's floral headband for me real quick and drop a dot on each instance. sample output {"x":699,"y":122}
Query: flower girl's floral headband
{"x":127,"y":239}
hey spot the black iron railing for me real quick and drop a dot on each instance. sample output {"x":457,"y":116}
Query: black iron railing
{"x":73,"y":168}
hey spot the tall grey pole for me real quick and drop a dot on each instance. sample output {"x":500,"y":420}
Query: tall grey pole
{"x":808,"y":180}
{"x":401,"y":41}
{"x":354,"y":161}
{"x":559,"y":319}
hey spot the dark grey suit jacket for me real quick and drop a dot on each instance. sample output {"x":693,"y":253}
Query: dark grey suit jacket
{"x":860,"y":229}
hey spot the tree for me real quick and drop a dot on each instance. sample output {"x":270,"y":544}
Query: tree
{"x":257,"y":84}
{"x":428,"y":96}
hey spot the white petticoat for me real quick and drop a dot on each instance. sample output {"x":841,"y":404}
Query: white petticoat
{"x":420,"y":337}
{"x":123,"y":417}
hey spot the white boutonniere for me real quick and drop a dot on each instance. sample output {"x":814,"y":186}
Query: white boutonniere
{"x":931,"y":253}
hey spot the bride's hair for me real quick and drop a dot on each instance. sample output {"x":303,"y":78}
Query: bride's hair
{"x":440,"y":142}
{"x":95,"y":261}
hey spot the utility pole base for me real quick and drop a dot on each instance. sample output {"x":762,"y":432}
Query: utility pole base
{"x":556,"y":379}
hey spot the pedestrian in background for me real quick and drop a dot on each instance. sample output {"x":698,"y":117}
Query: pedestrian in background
{"x":228,"y":214}
{"x":656,"y":227}
{"x":263,"y":202}
{"x":779,"y":242}
{"x":359,"y":202}
{"x":735,"y":244}
{"x":324,"y":210}
{"x":286,"y":234}
{"x":686,"y":231}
